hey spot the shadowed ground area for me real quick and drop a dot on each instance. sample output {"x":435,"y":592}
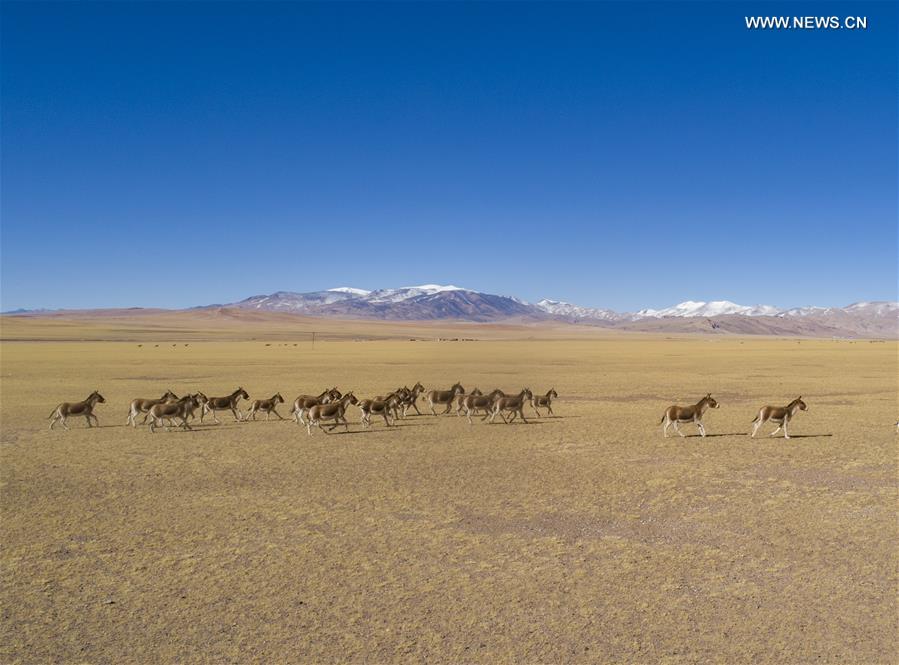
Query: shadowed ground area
{"x":582,"y":538}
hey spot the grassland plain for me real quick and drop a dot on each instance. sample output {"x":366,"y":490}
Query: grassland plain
{"x":582,"y":538}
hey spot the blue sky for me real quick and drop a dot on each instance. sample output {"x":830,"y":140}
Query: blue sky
{"x":620,"y":155}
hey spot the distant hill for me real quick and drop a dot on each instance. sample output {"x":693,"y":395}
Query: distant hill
{"x":435,"y":302}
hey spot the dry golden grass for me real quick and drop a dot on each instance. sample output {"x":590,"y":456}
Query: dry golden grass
{"x":584,"y":538}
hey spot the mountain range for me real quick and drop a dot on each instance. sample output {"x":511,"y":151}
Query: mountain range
{"x":435,"y":302}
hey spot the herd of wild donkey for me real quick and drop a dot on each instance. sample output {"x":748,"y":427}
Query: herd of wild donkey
{"x":330,"y":407}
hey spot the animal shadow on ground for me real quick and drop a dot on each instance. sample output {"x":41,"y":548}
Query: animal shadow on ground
{"x":518,"y":422}
{"x":708,"y":436}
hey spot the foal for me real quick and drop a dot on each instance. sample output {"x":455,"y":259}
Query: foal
{"x":779,"y":415}
{"x":687,"y":414}
{"x":85,"y":408}
{"x":544,"y":400}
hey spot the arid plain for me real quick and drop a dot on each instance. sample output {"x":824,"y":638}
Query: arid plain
{"x":582,"y":538}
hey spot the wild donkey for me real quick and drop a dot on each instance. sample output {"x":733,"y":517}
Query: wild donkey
{"x":266,"y":406}
{"x":305,"y":402}
{"x":474,"y":403}
{"x":687,"y":414}
{"x":460,"y":401}
{"x":545,"y":400}
{"x":228,"y":403}
{"x":514,"y":405}
{"x":85,"y":408}
{"x":779,"y":415}
{"x":444,"y":397}
{"x":334,"y":411}
{"x":379,"y":406}
{"x":182,"y":410}
{"x":139,"y":406}
{"x":411,"y":398}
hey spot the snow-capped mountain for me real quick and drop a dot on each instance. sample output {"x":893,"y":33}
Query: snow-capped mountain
{"x":406,"y":292}
{"x":691,"y":308}
{"x":806,"y":311}
{"x":881,"y":308}
{"x":569,"y":311}
{"x":350,"y":290}
{"x":447,"y":302}
{"x":436,"y":301}
{"x":423,"y":302}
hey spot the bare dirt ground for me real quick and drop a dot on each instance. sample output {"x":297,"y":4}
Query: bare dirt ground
{"x":582,"y":538}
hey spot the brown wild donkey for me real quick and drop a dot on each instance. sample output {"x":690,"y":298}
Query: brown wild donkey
{"x":379,"y":406}
{"x":444,"y":397}
{"x":333,"y":411}
{"x":182,"y":409}
{"x":305,"y":402}
{"x":545,"y":400}
{"x":266,"y":406}
{"x":514,"y":405}
{"x":473,"y":403}
{"x":688,"y":414}
{"x":84,"y":408}
{"x":139,"y":406}
{"x":779,"y":415}
{"x":229,"y":403}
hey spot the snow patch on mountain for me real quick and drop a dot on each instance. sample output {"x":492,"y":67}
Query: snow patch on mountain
{"x":569,"y":310}
{"x":694,"y":308}
{"x":407,"y":292}
{"x":350,"y":290}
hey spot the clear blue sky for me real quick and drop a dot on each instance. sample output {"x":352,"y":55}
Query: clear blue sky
{"x":621,"y":155}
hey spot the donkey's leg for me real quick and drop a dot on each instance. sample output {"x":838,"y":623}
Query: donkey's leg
{"x":87,"y":417}
{"x":755,"y":425}
{"x":786,"y":433}
{"x":520,"y":412}
{"x":550,"y":408}
{"x":677,"y":429}
{"x":777,"y":430}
